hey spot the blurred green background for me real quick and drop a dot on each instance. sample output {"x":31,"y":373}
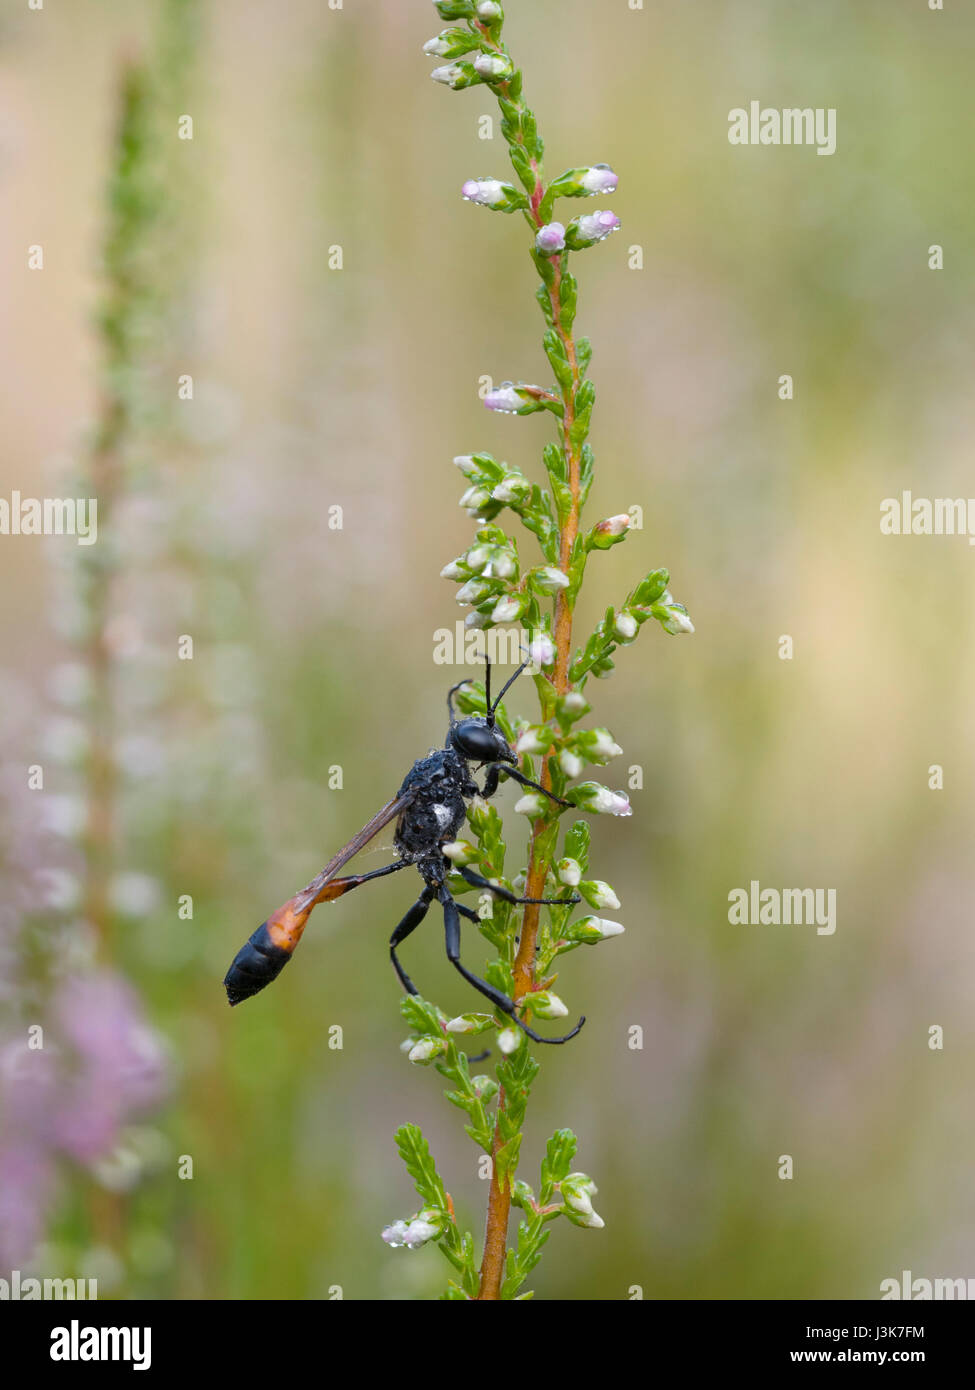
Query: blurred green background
{"x":316,"y":128}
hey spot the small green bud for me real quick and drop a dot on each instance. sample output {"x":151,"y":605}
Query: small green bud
{"x":425,"y":1049}
{"x":471,"y":1023}
{"x":591,"y":930}
{"x":461,"y":852}
{"x":450,"y":43}
{"x":545,"y":1004}
{"x":651,"y":588}
{"x":454,"y":9}
{"x":569,"y":872}
{"x":578,"y":1191}
{"x":522,"y":1195}
{"x":599,"y":894}
{"x":457,"y":76}
{"x":548,"y":580}
{"x":509,"y":608}
{"x":572,"y":707}
{"x":608,"y":532}
{"x":514,"y":489}
{"x":672,"y":617}
{"x":494,"y":67}
{"x":586,"y":182}
{"x":485,"y":1088}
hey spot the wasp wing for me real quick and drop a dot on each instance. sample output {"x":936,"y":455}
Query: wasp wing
{"x":265,"y":954}
{"x":314,"y":892}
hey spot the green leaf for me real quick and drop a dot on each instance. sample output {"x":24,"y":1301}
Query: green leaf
{"x":577,"y":843}
{"x":415,"y":1152}
{"x":557,"y":1163}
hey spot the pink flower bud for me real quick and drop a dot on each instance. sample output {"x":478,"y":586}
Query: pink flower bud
{"x":550,"y":238}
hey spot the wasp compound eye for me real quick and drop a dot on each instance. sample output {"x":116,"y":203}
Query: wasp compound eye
{"x":476,"y":740}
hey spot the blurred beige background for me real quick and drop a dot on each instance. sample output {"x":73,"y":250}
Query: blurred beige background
{"x":313,"y":647}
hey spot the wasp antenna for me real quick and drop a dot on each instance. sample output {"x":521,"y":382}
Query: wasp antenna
{"x":450,"y":698}
{"x":537,"y":1037}
{"x":504,"y":689}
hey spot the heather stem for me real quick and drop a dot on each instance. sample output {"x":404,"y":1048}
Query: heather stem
{"x":499,"y":1197}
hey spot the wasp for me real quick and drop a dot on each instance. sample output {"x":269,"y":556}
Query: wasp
{"x":429,"y":810}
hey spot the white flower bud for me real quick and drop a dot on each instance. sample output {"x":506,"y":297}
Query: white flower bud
{"x":530,"y":805}
{"x":608,"y":803}
{"x":478,"y":556}
{"x":450,"y":74}
{"x":513,"y":487}
{"x":425,"y":1049}
{"x":678,"y":622}
{"x":603,"y":745}
{"x":491,"y":66}
{"x":487,"y":193}
{"x":474,"y":591}
{"x":509,"y":1040}
{"x":599,"y":179}
{"x":466,"y":1023}
{"x":420,"y":1230}
{"x":607,"y":929}
{"x":577,"y":1193}
{"x":466,"y":465}
{"x":569,"y":872}
{"x":453,"y":571}
{"x":529,"y":743}
{"x":395,"y":1234}
{"x":589,"y":931}
{"x":626,"y":626}
{"x":596,"y":226}
{"x":570,"y":763}
{"x":475,"y":498}
{"x":550,"y":580}
{"x":504,"y":398}
{"x":508,"y":609}
{"x":436,"y":47}
{"x":542,"y":651}
{"x":460,"y":852}
{"x":599,"y":894}
{"x":545,"y":1004}
{"x":487,"y":10}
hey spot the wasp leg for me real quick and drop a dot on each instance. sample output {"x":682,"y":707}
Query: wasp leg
{"x":335,"y":887}
{"x":472,"y":916}
{"x":479,"y":881}
{"x":410,"y":922}
{"x":451,"y":917}
{"x":496,"y":770}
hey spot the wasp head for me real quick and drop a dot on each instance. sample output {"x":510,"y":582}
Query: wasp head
{"x":479,"y":741}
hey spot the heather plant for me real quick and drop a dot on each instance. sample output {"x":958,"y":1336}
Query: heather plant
{"x":501,"y":585}
{"x":79,"y":1064}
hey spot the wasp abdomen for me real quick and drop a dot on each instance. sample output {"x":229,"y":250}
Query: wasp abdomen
{"x":256,"y":964}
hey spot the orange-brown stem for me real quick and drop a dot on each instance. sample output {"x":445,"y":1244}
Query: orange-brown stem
{"x":499,"y":1197}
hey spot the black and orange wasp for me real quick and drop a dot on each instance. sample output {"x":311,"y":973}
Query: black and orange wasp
{"x":429,"y":810}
